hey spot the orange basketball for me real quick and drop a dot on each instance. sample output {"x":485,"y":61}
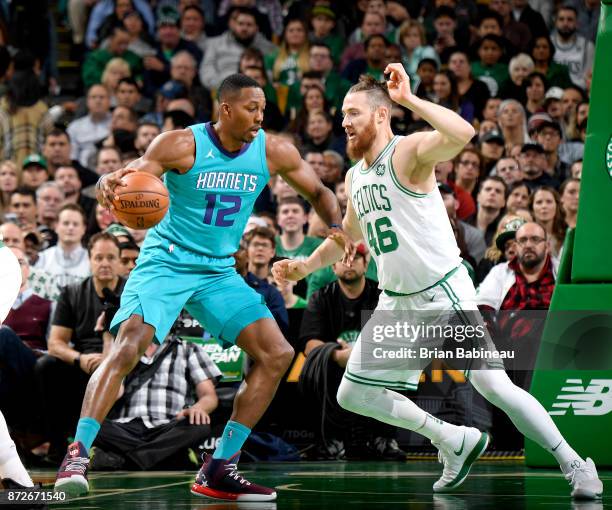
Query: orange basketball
{"x":143,"y":202}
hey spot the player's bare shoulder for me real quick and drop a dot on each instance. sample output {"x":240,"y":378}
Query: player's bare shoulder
{"x":281,"y":154}
{"x":406,"y":163}
{"x":173,"y":150}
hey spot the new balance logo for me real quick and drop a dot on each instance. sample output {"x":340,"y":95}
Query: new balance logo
{"x":210,"y":154}
{"x":593,"y":400}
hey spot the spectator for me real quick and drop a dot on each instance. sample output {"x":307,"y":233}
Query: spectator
{"x":116,"y":70}
{"x":588,"y":17}
{"x":313,"y":100}
{"x":124,"y":122}
{"x":502,"y":247}
{"x":23,"y":114}
{"x":543,"y":53}
{"x":445,"y":91}
{"x":445,"y":25}
{"x":23,"y":206}
{"x":527,"y":281}
{"x":57,"y":152}
{"x":572,"y":50}
{"x":491,"y":149}
{"x":85,"y":132}
{"x":545,"y":205}
{"x":291,"y":60}
{"x":576,"y":169}
{"x":333,"y":169}
{"x":526,"y":15}
{"x":489,"y":68}
{"x":490,"y":109}
{"x":319,"y":133}
{"x":470,"y":90}
{"x":119,"y":9}
{"x":22,"y":339}
{"x":292,"y":301}
{"x":516,"y":32}
{"x":67,"y":262}
{"x":342,"y":196}
{"x":141,"y":42}
{"x":223,"y":53}
{"x":513,"y":123}
{"x":108,"y":160}
{"x":571,"y":97}
{"x":183,"y":69}
{"x":414,"y":49}
{"x":49,"y":199}
{"x":128,"y":95}
{"x":519,"y":68}
{"x":473,"y":238}
{"x":34,"y":172}
{"x":533,"y":163}
{"x":333,"y":316}
{"x":9,"y":182}
{"x":145,"y":134}
{"x":535,"y":89}
{"x":323,"y":21}
{"x":373,"y":23}
{"x":67,"y":177}
{"x":570,"y":191}
{"x":268,"y":14}
{"x":273,"y":118}
{"x":468,"y":168}
{"x":426,"y":72}
{"x":176,"y":119}
{"x":192,"y":26}
{"x":99,"y":221}
{"x":64,"y":372}
{"x":128,"y":253}
{"x":510,"y":171}
{"x":170,"y":42}
{"x":117,"y":47}
{"x":373,"y":63}
{"x":548,"y":135}
{"x":490,"y":202}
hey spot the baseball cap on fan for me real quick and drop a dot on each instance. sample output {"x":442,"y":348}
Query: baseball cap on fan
{"x":168,"y":15}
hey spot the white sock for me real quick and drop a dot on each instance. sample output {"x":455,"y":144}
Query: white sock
{"x":390,"y":407}
{"x":10,"y":463}
{"x":527,"y":414}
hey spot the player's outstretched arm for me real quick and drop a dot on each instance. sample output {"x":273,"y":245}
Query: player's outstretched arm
{"x":422,"y":151}
{"x":326,"y":254}
{"x":173,"y":150}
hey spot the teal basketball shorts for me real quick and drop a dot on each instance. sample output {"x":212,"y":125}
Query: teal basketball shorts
{"x":168,"y":278}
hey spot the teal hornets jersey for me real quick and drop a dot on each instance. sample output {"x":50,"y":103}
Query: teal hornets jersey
{"x":211,"y":203}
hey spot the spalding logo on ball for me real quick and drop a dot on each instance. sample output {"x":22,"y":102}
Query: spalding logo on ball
{"x":143,"y":202}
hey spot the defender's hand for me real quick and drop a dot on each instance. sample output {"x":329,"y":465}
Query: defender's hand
{"x":398,"y":83}
{"x":108,"y":184}
{"x":288,"y":269}
{"x":342,"y":238}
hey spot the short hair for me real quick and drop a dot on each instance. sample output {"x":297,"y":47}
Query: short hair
{"x":377,"y":92}
{"x":47,"y":185}
{"x":429,"y":61}
{"x":370,"y":38}
{"x":336,"y":156}
{"x":233,"y":85}
{"x":109,"y":148}
{"x":148,"y":123}
{"x":130,"y":81}
{"x":101,"y":236}
{"x":132,"y":115}
{"x":489,"y":14}
{"x":320,"y":44}
{"x":521,"y":59}
{"x":180,"y":119}
{"x":128,"y":245}
{"x":445,"y":11}
{"x":567,"y":7}
{"x":495,"y":178}
{"x":264,"y":232}
{"x":184,"y":53}
{"x":196,"y":8}
{"x":72,"y":167}
{"x":76,"y":208}
{"x":56,"y":132}
{"x":313,"y":75}
{"x":236,"y":11}
{"x":22,"y":190}
{"x":292,"y":200}
{"x":519,"y":184}
{"x":493,"y":38}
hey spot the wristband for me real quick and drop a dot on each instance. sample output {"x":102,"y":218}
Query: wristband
{"x":335,"y":225}
{"x":77,"y":361}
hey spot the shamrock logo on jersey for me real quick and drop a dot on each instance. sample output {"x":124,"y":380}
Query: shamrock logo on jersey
{"x":380,"y":169}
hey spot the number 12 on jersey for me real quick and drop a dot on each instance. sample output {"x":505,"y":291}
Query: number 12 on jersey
{"x":232,"y":201}
{"x":381,"y":237}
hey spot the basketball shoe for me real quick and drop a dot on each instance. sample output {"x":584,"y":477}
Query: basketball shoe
{"x":72,"y":474}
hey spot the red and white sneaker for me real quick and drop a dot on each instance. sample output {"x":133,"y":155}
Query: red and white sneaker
{"x":219,"y":479}
{"x":72,"y":474}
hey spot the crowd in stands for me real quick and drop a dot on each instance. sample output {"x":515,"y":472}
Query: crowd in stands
{"x":518,"y":70}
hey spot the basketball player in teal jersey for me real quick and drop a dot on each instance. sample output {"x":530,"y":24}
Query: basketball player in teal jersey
{"x":214,"y":173}
{"x":394,"y":204}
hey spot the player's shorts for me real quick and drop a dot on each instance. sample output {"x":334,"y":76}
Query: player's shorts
{"x":448,"y":298}
{"x":168,"y":278}
{"x":10,"y":276}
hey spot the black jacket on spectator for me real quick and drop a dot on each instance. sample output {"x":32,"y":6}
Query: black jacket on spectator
{"x":477,"y":94}
{"x":274,"y":300}
{"x":534,"y":20}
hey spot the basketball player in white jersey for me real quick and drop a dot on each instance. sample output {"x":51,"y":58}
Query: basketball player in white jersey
{"x":12,"y":472}
{"x":394,"y":204}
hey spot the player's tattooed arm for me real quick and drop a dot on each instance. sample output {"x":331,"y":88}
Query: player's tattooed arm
{"x":173,"y":150}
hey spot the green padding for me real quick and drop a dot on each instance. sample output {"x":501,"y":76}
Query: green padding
{"x":593,"y":245}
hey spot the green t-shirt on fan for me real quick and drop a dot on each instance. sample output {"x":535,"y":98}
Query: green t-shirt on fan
{"x":302,"y":252}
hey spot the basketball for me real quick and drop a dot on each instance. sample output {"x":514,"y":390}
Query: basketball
{"x":143,"y":202}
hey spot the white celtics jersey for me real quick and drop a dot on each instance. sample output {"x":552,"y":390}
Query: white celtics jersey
{"x":408,"y":233}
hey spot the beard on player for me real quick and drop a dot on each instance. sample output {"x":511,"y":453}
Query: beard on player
{"x":360,"y":140}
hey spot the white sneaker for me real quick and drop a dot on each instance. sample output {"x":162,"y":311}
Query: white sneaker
{"x":584,"y":480}
{"x":457,"y":454}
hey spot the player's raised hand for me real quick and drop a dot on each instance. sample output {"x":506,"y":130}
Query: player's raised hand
{"x":398,"y":83}
{"x":105,"y":192}
{"x":342,"y":238}
{"x":288,"y":269}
